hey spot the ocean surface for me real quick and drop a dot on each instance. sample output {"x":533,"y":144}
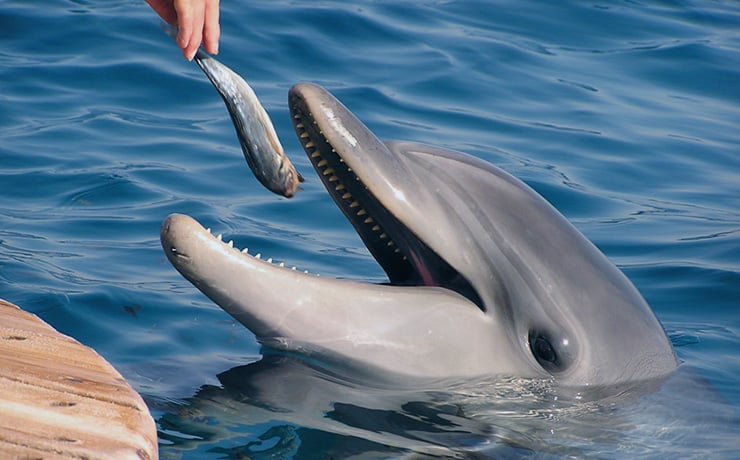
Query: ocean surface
{"x":625,"y":115}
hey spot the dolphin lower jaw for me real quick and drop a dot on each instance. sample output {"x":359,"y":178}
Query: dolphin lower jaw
{"x":403,"y":332}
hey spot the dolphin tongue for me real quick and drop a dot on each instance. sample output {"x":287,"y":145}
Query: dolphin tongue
{"x":426,"y":276}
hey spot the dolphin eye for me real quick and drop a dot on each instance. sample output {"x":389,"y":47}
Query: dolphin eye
{"x":553,"y":357}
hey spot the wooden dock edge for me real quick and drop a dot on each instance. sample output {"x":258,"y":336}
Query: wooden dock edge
{"x":60,"y":400}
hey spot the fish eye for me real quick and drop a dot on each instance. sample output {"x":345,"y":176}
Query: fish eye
{"x":552,"y":356}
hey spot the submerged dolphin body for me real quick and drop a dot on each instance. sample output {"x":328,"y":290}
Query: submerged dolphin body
{"x":486,"y":277}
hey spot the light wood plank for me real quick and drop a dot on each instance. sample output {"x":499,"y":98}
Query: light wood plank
{"x":60,"y":400}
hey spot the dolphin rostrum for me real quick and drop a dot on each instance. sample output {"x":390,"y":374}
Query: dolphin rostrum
{"x":485,"y":276}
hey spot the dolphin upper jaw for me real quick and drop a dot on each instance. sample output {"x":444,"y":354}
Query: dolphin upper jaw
{"x":357,"y":168}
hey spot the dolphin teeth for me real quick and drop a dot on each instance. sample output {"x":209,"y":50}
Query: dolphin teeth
{"x":375,"y":228}
{"x":258,"y":256}
{"x":293,"y":268}
{"x":383,"y":236}
{"x":397,"y":250}
{"x":339,"y":187}
{"x":369,"y":220}
{"x":281,"y":264}
{"x":347,"y":196}
{"x":245,"y":251}
{"x":315,"y":154}
{"x":299,"y":125}
{"x":328,"y":171}
{"x":333,"y":179}
{"x":231,"y":243}
{"x":309,"y":144}
{"x":361,"y":212}
{"x":208,"y":229}
{"x":269,"y":261}
{"x":303,"y":135}
{"x":219,"y":237}
{"x":322,"y":163}
{"x":390,"y":243}
{"x":354,"y":204}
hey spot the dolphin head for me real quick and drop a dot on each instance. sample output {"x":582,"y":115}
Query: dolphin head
{"x":485,"y":276}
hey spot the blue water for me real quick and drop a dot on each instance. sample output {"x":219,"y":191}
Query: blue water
{"x":625,"y":115}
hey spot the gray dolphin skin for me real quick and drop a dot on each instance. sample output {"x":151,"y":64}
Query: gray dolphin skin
{"x":485,"y":277}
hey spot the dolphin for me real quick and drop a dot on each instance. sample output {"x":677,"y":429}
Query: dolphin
{"x":485,"y":277}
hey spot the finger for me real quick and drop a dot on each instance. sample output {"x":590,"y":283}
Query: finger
{"x":195,"y":39}
{"x":189,"y":21}
{"x":211,"y":28}
{"x":184,"y":29}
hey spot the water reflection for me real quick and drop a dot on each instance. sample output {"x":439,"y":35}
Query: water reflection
{"x":282,"y":407}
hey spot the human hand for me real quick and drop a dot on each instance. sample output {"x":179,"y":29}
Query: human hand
{"x":196,"y":20}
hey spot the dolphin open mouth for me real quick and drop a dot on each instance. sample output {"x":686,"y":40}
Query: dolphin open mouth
{"x":405,"y":258}
{"x":365,"y":178}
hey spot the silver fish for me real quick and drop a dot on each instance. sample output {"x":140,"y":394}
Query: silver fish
{"x":260,"y":144}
